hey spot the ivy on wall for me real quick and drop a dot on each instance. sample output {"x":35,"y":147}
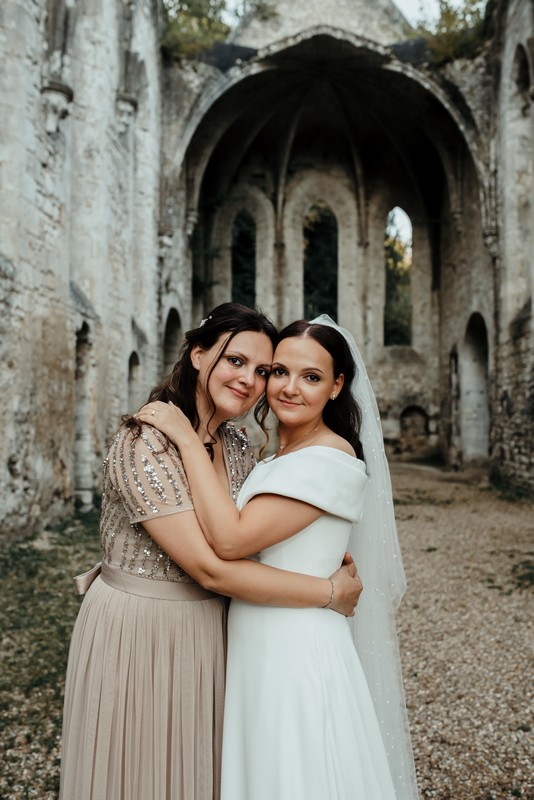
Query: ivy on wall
{"x":191,"y":27}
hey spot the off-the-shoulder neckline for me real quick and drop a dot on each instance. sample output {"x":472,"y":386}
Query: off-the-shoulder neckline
{"x":272,"y":459}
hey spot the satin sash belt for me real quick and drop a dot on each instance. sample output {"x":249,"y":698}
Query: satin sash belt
{"x":144,"y":587}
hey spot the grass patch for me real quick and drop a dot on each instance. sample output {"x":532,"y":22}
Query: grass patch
{"x":38,"y":607}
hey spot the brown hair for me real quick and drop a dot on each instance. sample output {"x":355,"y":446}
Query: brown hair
{"x":342,"y":415}
{"x":179,"y":387}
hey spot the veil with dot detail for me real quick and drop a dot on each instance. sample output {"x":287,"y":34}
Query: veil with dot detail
{"x":374,"y":545}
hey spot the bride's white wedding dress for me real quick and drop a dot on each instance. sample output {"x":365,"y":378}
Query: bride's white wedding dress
{"x":299,"y":721}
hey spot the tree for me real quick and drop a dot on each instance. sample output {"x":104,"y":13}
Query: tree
{"x":459,"y":31}
{"x":191,"y":27}
{"x":398,"y":300}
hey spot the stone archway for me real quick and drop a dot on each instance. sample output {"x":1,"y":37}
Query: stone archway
{"x":83,"y":444}
{"x":171,"y":341}
{"x":474,"y":394}
{"x":134,"y":382}
{"x":327,"y":116}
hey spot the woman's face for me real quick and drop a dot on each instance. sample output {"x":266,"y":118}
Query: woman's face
{"x":239,"y":377}
{"x":301,"y":381}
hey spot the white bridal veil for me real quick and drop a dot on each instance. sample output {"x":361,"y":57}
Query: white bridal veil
{"x":374,"y":545}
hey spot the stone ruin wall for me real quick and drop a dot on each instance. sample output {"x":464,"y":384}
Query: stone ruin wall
{"x":79,"y":192}
{"x":95,"y":243}
{"x":513,"y":425}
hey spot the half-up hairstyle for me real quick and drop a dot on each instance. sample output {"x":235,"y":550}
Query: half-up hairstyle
{"x":180,"y":386}
{"x":342,"y":415}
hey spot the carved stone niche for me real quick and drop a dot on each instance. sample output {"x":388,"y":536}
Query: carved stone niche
{"x":126,"y":106}
{"x":57,"y":98}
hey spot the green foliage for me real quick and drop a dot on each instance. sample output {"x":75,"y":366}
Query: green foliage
{"x":398,"y":305}
{"x":192,"y":26}
{"x":460,"y":30}
{"x":320,"y":262}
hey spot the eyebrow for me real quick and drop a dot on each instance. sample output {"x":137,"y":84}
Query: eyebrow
{"x":304,"y":369}
{"x":244,"y":357}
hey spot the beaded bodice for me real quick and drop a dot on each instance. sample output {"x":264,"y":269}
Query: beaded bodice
{"x":144,"y":478}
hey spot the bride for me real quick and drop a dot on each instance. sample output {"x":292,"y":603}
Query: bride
{"x":308,"y":715}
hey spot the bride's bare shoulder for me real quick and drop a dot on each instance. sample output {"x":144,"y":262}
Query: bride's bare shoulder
{"x":331,"y":439}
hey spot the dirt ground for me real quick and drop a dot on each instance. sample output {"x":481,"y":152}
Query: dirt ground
{"x":466,"y":629}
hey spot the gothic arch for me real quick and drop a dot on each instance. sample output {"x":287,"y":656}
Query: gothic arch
{"x":134,"y":382}
{"x":254,"y":201}
{"x":320,"y":263}
{"x":220,"y":108}
{"x":517,"y":190}
{"x":243,"y":257}
{"x":333,"y":188}
{"x":474,"y":390}
{"x":413,"y":429}
{"x":172,"y":341}
{"x":83,"y":443}
{"x":398,"y":243}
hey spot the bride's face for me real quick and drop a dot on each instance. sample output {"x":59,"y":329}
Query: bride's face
{"x":301,"y":381}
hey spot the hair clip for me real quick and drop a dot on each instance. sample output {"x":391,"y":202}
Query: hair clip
{"x":203,"y":321}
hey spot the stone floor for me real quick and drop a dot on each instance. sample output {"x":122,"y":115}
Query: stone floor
{"x":466,"y":628}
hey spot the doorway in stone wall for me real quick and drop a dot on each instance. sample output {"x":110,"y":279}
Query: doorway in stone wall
{"x":474,"y":399}
{"x":171,"y":341}
{"x":134,"y":382}
{"x":83,"y":449}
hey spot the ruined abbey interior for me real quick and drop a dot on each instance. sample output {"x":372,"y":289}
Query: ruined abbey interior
{"x":136,"y":193}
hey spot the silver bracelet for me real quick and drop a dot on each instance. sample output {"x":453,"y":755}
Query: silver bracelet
{"x":331,"y":594}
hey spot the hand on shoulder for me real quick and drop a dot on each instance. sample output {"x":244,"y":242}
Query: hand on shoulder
{"x":169,"y":419}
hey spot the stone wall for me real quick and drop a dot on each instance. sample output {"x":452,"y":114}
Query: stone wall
{"x":79,"y":192}
{"x":120,"y":179}
{"x":513,"y":418}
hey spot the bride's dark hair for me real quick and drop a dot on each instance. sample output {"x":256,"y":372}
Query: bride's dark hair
{"x":342,"y":415}
{"x":180,"y":386}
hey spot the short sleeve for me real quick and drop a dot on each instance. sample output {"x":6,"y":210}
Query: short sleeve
{"x":324,"y":477}
{"x":148,"y":474}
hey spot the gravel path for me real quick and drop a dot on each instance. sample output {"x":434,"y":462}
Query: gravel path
{"x":466,"y":628}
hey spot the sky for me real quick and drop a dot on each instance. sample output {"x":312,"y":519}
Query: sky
{"x":412,"y":9}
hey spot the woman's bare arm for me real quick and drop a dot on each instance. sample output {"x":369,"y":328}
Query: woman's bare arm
{"x":264,"y":521}
{"x":181,"y":538}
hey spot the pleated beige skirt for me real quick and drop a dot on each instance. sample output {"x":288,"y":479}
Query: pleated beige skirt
{"x":144,"y":692}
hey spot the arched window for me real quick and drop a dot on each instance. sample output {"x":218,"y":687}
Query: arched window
{"x":83,"y":456}
{"x":521,"y":75}
{"x":414,"y":429}
{"x":398,"y":265}
{"x":244,"y":259}
{"x":134,"y":382}
{"x":474,"y":393}
{"x":320,"y":262}
{"x":172,"y":341}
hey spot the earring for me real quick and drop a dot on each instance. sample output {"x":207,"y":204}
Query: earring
{"x":333,"y":396}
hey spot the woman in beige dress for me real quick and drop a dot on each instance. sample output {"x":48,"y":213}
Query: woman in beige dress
{"x":145,"y":679}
